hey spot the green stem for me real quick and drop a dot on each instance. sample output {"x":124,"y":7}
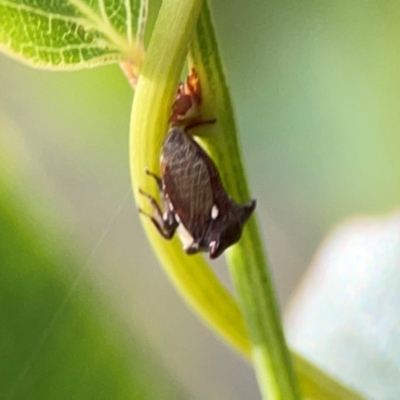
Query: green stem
{"x":247,"y":261}
{"x":149,"y":122}
{"x":151,"y":108}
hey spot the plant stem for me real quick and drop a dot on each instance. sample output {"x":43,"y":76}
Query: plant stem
{"x":247,"y":260}
{"x":151,"y":108}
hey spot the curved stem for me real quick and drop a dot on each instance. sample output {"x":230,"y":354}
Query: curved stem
{"x":151,"y":107}
{"x":149,"y":122}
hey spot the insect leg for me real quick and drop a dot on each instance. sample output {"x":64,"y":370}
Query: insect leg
{"x":169,"y":216}
{"x":166,"y":225}
{"x":196,"y":124}
{"x":156,"y":178}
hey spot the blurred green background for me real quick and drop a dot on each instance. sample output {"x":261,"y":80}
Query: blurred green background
{"x":316,"y":88}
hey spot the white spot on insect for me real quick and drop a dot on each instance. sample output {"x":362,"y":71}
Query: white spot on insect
{"x":185,"y":236}
{"x":213,"y":245}
{"x":170,"y":206}
{"x":214,"y":212}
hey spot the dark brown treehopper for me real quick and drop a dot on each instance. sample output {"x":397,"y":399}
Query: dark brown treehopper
{"x":195,"y":203}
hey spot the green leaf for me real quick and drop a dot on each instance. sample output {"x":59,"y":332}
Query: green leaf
{"x":72,"y":34}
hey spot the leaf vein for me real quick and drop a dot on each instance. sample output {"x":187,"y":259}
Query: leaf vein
{"x":32,"y":10}
{"x":128,"y":21}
